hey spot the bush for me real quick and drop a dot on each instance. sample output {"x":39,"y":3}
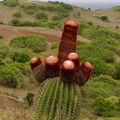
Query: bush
{"x":56,"y":18}
{"x":42,"y":7}
{"x":11,"y":3}
{"x":103,"y":107}
{"x":1,"y":36}
{"x":104,"y":18}
{"x":20,"y":56}
{"x":117,"y":66}
{"x":117,"y":8}
{"x":54,"y":45}
{"x":62,"y":12}
{"x":105,"y":79}
{"x":29,"y":12}
{"x":4,"y":50}
{"x":17,"y":14}
{"x":117,"y":27}
{"x":66,"y":6}
{"x":35,"y":42}
{"x":28,"y":100}
{"x":10,"y":76}
{"x":50,"y":8}
{"x":41,"y":16}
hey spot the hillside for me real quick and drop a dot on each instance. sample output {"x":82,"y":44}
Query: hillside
{"x":98,"y":42}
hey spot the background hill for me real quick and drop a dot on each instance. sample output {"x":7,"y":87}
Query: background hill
{"x":98,"y":42}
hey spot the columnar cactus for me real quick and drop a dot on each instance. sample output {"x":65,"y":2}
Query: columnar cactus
{"x":61,"y":78}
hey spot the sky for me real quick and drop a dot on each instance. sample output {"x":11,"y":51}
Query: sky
{"x":84,"y":0}
{"x":70,"y":1}
{"x":81,"y":0}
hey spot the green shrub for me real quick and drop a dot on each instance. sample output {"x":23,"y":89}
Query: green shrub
{"x":117,"y":66}
{"x":1,"y":22}
{"x":111,"y":70}
{"x":62,"y":12}
{"x":28,"y":100}
{"x":17,"y":14}
{"x":29,"y":12}
{"x":105,"y":79}
{"x":117,"y":8}
{"x":66,"y":6}
{"x":1,"y":36}
{"x":35,"y":42}
{"x":42,"y":7}
{"x":54,"y":45}
{"x":24,"y":68}
{"x":103,"y":107}
{"x":56,"y":18}
{"x":41,"y":16}
{"x":4,"y":50}
{"x":11,"y":3}
{"x":32,"y":6}
{"x":10,"y":76}
{"x":117,"y":27}
{"x":50,"y":8}
{"x":104,"y":18}
{"x":19,"y":56}
{"x":99,"y":65}
{"x":15,"y":22}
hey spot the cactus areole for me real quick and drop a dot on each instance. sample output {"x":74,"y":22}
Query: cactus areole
{"x":61,"y":77}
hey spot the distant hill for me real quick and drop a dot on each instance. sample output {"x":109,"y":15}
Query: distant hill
{"x":28,"y":10}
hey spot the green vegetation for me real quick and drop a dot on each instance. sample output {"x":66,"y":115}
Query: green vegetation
{"x":10,"y":3}
{"x":1,"y":36}
{"x":41,"y":16}
{"x":17,"y":14}
{"x":35,"y":42}
{"x":117,"y":8}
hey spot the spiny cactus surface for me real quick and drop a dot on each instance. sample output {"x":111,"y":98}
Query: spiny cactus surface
{"x":61,"y":77}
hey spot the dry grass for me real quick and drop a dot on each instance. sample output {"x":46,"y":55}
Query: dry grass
{"x":14,"y":114}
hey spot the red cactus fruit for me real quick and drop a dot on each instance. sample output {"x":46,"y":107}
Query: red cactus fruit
{"x":75,"y":58}
{"x":34,"y":62}
{"x":52,"y":65}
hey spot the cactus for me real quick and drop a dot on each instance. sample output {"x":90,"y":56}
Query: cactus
{"x":61,"y":77}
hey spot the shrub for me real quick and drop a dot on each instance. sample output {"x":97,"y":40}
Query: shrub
{"x":104,"y":18}
{"x":56,"y":18}
{"x":42,"y":7}
{"x":111,"y":70}
{"x":1,"y":22}
{"x":19,"y":56}
{"x":11,"y":3}
{"x":117,"y":66}
{"x":66,"y":6}
{"x":28,"y":100}
{"x":54,"y":45}
{"x":10,"y":76}
{"x":41,"y":16}
{"x":50,"y":8}
{"x":105,"y":79}
{"x":24,"y":68}
{"x":4,"y":50}
{"x":103,"y":107}
{"x":35,"y":42}
{"x":117,"y":27}
{"x":117,"y":8}
{"x":29,"y":12}
{"x":1,"y":36}
{"x":17,"y":14}
{"x":62,"y":12}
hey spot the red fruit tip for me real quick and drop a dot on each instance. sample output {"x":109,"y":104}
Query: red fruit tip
{"x":51,"y":60}
{"x":72,"y":23}
{"x":35,"y":62}
{"x":68,"y":65}
{"x":73,"y":56}
{"x":87,"y":65}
